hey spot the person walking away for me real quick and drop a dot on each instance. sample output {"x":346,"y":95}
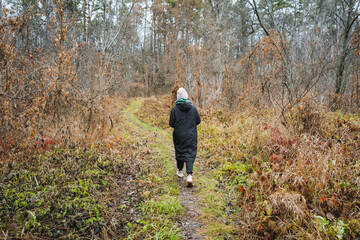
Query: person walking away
{"x":184,"y":118}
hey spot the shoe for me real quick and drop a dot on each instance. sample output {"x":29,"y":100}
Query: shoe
{"x":189,"y":180}
{"x":180,"y":173}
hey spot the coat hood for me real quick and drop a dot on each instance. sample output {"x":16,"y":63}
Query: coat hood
{"x":184,"y":106}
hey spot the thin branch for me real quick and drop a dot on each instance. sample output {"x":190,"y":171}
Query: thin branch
{"x":353,"y":21}
{"x":16,"y":98}
{"x":357,"y":7}
{"x":252,"y":29}
{"x":340,"y":19}
{"x":259,"y":19}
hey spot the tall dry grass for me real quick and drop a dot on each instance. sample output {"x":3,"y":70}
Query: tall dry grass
{"x":302,"y":173}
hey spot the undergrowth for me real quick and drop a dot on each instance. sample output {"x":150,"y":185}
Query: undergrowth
{"x":297,"y":179}
{"x":112,"y":186}
{"x":81,"y":124}
{"x":155,"y":111}
{"x":257,"y":178}
{"x":70,"y":193}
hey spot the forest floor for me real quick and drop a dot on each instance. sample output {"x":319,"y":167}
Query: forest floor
{"x":253,"y":179}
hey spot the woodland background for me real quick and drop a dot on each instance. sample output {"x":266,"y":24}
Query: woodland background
{"x":59,"y":57}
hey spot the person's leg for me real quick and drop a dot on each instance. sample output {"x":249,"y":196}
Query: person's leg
{"x":180,"y":165}
{"x":189,"y":167}
{"x":189,"y":171}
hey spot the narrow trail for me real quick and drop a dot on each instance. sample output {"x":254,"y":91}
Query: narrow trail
{"x":189,"y":221}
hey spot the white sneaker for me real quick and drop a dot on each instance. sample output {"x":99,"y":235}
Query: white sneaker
{"x":189,"y":180}
{"x":180,"y":173}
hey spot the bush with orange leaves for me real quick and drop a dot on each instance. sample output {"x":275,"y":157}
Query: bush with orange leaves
{"x":298,"y":178}
{"x":40,"y":99}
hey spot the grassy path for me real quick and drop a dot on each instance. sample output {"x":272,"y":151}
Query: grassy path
{"x":204,"y":213}
{"x":173,"y":187}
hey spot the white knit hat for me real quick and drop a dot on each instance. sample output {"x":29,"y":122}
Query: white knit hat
{"x":181,"y":93}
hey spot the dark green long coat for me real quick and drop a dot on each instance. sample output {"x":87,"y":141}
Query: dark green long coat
{"x":184,"y":118}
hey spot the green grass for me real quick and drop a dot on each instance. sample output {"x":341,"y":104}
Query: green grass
{"x":166,"y":204}
{"x":62,"y":189}
{"x":213,"y":201}
{"x":161,"y":207}
{"x":132,"y":109}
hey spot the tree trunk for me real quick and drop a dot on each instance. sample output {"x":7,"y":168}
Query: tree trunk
{"x":84,"y":21}
{"x":341,"y":62}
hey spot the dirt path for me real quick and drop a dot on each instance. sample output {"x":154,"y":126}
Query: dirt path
{"x":189,"y":221}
